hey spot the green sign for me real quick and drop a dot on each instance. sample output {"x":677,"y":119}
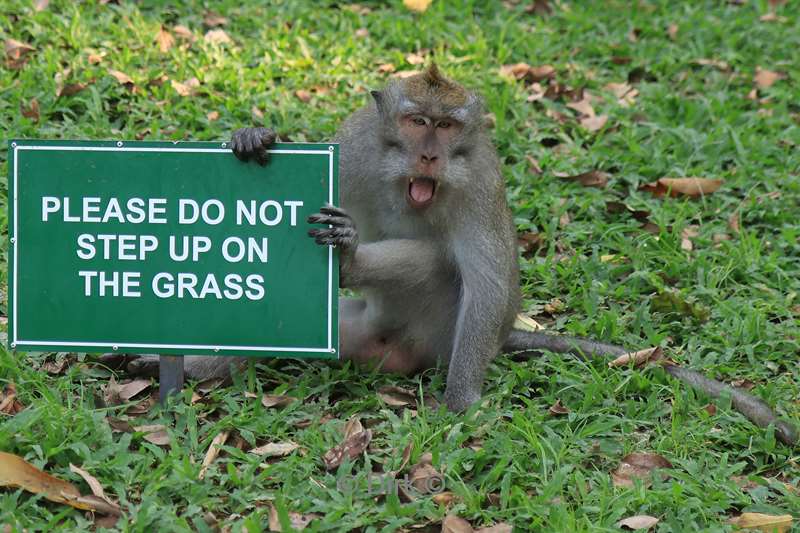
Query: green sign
{"x":173,"y":248}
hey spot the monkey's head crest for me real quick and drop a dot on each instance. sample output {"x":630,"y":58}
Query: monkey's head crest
{"x":430,"y":84}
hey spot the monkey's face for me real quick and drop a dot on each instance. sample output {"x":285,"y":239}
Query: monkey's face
{"x":426,"y":138}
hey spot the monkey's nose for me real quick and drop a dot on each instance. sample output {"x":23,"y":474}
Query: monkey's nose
{"x":429,"y":158}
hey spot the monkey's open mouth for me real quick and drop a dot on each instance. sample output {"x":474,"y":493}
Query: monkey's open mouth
{"x":421,"y":191}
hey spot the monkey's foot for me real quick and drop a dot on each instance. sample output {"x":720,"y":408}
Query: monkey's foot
{"x":252,"y":143}
{"x":342,"y":232}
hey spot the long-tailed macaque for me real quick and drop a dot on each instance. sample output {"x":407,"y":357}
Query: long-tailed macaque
{"x":425,"y":235}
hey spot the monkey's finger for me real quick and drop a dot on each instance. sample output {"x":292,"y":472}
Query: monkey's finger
{"x":334,"y":211}
{"x":268,"y":137}
{"x":262,"y":157}
{"x":319,"y":218}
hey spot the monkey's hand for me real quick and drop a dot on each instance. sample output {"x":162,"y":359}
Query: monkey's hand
{"x":252,"y":143}
{"x":341,"y":233}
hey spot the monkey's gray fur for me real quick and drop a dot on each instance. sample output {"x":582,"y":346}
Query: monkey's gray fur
{"x":439,"y":284}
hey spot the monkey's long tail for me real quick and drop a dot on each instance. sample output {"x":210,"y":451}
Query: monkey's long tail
{"x":531,"y":344}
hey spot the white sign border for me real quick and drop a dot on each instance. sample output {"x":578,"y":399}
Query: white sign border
{"x":115,"y":346}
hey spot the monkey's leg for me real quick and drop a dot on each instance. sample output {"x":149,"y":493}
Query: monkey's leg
{"x":362,"y":343}
{"x":531,"y":344}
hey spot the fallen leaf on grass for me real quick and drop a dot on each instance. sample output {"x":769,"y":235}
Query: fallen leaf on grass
{"x":641,"y":521}
{"x":386,"y":68}
{"x":212,"y":19}
{"x":444,"y":498}
{"x":624,"y":92}
{"x":17,"y":53}
{"x":594,"y":124}
{"x":672,"y":31}
{"x":212,"y":116}
{"x":716,"y":63}
{"x":456,"y":524}
{"x":276,"y":400}
{"x":122,"y":78}
{"x":692,"y":187}
{"x":154,"y":434}
{"x":351,"y":448}
{"x":405,"y":74}
{"x":96,"y":58}
{"x":417,"y":5}
{"x":638,"y":358}
{"x":275,"y":449}
{"x":9,"y":404}
{"x":583,"y":107}
{"x":30,"y":111}
{"x":763,"y":522}
{"x":297,"y":521}
{"x":188,"y":88}
{"x":592,"y":178}
{"x":217,"y":37}
{"x":526,"y":323}
{"x":530,"y":242}
{"x":165,"y":40}
{"x":764,"y":79}
{"x":500,"y":527}
{"x":17,"y":472}
{"x":184,"y":33}
{"x":41,"y":5}
{"x":557,"y":409}
{"x":96,"y":488}
{"x":520,"y":71}
{"x":637,"y":466}
{"x":673,"y":301}
{"x":397,"y":396}
{"x":213,"y":452}
{"x":303,"y":95}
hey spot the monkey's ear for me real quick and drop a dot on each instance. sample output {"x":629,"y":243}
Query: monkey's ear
{"x":380,"y":100}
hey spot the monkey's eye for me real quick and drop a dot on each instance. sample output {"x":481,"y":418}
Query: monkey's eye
{"x":444,"y":124}
{"x":419,"y":121}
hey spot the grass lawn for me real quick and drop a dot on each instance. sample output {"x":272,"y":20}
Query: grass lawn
{"x":712,"y":92}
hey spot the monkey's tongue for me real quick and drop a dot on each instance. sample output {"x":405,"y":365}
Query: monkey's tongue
{"x":421,"y":190}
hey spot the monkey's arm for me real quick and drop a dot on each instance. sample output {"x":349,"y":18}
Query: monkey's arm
{"x":532,"y":343}
{"x":399,"y":263}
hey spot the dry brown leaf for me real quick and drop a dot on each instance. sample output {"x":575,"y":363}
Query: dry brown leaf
{"x":70,"y":88}
{"x":276,"y":400}
{"x":188,"y":88}
{"x":362,"y":33}
{"x":764,"y":79}
{"x":17,"y":53}
{"x":217,"y":37}
{"x":9,"y":404}
{"x":297,"y":521}
{"x":212,"y":19}
{"x":763,"y":522}
{"x":594,"y":124}
{"x":716,"y":63}
{"x":403,"y":74}
{"x":352,"y":426}
{"x":184,"y":33}
{"x":213,"y":451}
{"x":165,"y":40}
{"x":526,"y":323}
{"x":500,"y":527}
{"x":41,"y":5}
{"x":96,"y":59}
{"x":303,"y":95}
{"x":625,"y":93}
{"x":424,"y":477}
{"x":530,"y":242}
{"x":592,"y":178}
{"x":637,"y":358}
{"x":641,"y":521}
{"x":557,"y":409}
{"x":121,"y":77}
{"x":212,"y":116}
{"x":415,"y":59}
{"x":30,"y":111}
{"x":386,"y":68}
{"x":397,"y":396}
{"x":417,"y":5}
{"x":692,"y":187}
{"x":584,"y":107}
{"x":95,"y":487}
{"x":154,"y":434}
{"x":444,"y":498}
{"x":126,"y":391}
{"x":637,"y":466}
{"x":672,"y":31}
{"x":456,"y":524}
{"x":275,"y":449}
{"x":351,"y":448}
{"x":16,"y":472}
